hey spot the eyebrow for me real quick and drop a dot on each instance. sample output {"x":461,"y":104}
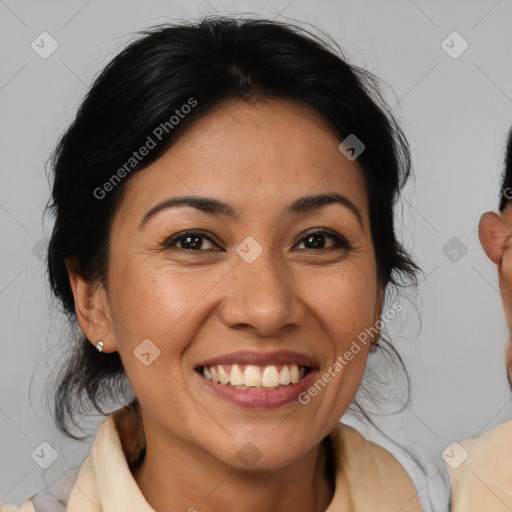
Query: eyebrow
{"x":218,"y":208}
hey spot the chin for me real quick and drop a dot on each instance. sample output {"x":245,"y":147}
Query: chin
{"x":262,"y":449}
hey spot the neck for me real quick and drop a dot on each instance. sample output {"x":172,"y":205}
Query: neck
{"x":186,"y":478}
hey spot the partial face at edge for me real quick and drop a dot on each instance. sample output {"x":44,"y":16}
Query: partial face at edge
{"x":494,"y":231}
{"x":199,"y":299}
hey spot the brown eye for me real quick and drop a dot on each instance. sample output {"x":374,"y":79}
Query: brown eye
{"x":316,"y":241}
{"x":189,"y":241}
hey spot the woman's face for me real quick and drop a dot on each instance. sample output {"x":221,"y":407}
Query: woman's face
{"x":260,"y":291}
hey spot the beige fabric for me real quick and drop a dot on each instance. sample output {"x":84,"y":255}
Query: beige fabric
{"x":483,"y":482}
{"x":26,"y":506}
{"x":368,"y":478}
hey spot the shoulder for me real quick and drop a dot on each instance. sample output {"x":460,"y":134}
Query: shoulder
{"x":362,"y":465}
{"x":361,"y":451}
{"x":423,"y":466}
{"x":492,"y":438}
{"x":481,"y":471}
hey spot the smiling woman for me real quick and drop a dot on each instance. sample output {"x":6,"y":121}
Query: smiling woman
{"x":227,"y":272}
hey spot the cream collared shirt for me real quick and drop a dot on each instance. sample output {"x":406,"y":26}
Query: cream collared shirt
{"x":481,"y":472}
{"x":367,"y":478}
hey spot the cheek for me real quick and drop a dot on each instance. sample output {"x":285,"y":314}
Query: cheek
{"x":163,"y":305}
{"x":345,"y":303}
{"x":153,"y":298}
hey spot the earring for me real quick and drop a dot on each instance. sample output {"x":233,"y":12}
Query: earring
{"x":99,"y":346}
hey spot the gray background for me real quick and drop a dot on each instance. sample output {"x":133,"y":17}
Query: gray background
{"x":455,"y":112}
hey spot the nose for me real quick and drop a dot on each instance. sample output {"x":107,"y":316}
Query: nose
{"x":260,"y":298}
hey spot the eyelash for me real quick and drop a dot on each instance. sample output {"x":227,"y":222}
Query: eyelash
{"x":340,"y":242}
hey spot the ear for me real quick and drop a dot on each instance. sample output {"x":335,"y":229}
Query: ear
{"x":493,"y":234}
{"x":91,"y":306}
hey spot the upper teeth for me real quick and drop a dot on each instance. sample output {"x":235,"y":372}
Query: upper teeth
{"x":254,"y":376}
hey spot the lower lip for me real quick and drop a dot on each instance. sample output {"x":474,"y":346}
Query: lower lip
{"x":260,"y":399}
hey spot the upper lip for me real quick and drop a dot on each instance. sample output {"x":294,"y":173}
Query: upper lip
{"x":262,"y":359}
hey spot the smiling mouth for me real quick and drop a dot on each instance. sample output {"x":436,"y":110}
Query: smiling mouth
{"x":254,"y":378}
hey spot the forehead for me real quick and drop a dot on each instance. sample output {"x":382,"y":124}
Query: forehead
{"x":258,"y":157}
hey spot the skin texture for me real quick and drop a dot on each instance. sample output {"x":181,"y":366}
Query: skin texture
{"x":198,"y":304}
{"x":494,"y":229}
